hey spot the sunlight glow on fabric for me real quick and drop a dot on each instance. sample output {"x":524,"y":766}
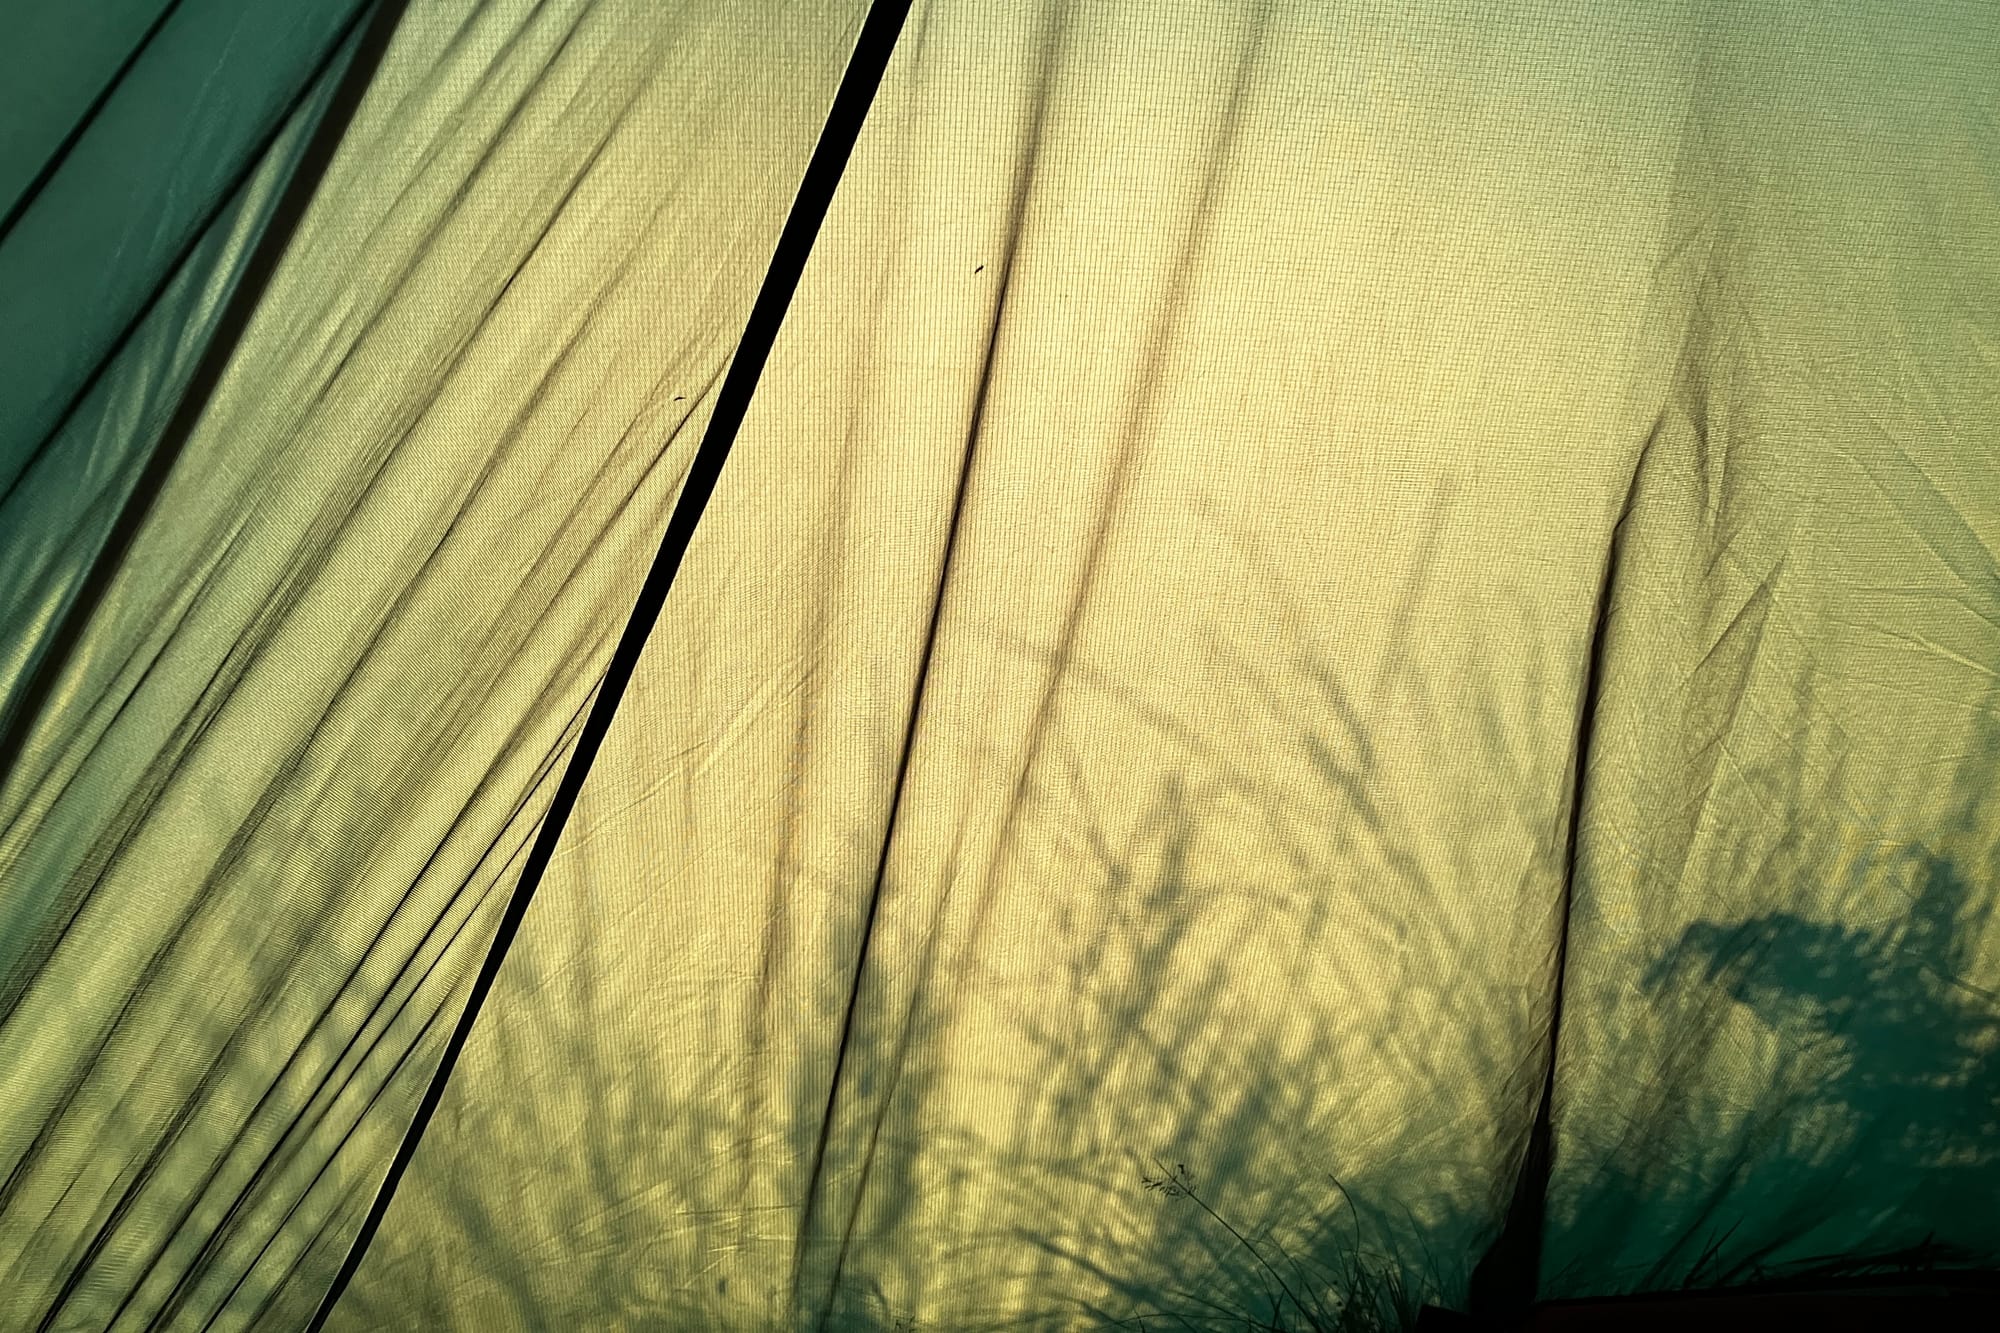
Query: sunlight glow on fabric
{"x":1325,"y":623}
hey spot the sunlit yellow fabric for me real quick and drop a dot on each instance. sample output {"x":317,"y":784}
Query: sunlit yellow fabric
{"x":281,"y":787}
{"x":1294,"y":366}
{"x":1783,"y":1008}
{"x":1293,"y":564}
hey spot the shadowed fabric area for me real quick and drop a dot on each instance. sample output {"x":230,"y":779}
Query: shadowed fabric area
{"x":1347,"y":659}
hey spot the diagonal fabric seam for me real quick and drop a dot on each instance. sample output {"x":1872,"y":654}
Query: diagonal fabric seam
{"x":851,"y":102}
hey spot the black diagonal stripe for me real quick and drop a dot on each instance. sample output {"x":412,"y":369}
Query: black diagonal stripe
{"x":843,"y":126}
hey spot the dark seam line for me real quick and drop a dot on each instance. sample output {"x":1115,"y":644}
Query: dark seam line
{"x":228,"y":332}
{"x":1031,"y":153}
{"x":829,"y":160}
{"x":89,"y":117}
{"x":1513,"y":1263}
{"x":197,"y":234}
{"x":892,"y":825}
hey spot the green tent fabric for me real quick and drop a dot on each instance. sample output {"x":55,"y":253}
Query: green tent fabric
{"x":1343,"y":657}
{"x":147,"y":146}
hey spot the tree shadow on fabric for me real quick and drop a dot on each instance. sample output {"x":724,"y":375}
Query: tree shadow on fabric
{"x":587,"y":1177}
{"x":1267,"y":1229}
{"x":1831,"y":1104}
{"x":1270,"y":1055}
{"x":1290,"y":1091}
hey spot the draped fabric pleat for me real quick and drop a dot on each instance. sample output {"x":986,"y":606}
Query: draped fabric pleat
{"x":260,"y":826}
{"x":1347,"y":658}
{"x":149,"y":146}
